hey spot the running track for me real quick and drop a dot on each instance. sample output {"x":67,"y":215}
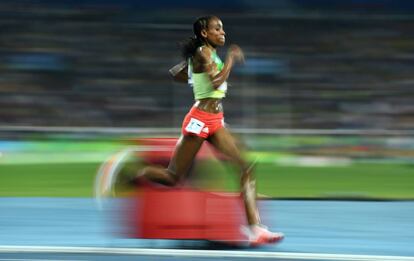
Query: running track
{"x":74,"y":229}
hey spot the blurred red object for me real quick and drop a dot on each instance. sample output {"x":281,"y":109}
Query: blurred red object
{"x":158,"y":151}
{"x":158,"y":212}
{"x":183,"y":213}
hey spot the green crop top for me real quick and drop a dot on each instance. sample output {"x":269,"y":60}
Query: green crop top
{"x":201,"y":83}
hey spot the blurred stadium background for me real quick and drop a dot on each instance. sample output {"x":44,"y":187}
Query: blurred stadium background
{"x":326,"y":93}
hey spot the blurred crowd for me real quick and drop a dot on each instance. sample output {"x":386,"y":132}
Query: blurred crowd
{"x":107,"y":65}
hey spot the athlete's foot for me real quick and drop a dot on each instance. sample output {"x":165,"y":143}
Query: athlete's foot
{"x":260,"y":235}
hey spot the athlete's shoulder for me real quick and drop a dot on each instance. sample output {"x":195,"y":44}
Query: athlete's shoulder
{"x":203,"y":53}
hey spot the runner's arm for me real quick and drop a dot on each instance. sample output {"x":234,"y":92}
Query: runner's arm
{"x":179,"y":72}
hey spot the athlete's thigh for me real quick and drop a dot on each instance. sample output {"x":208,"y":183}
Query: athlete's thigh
{"x":184,"y":154}
{"x":224,"y":141}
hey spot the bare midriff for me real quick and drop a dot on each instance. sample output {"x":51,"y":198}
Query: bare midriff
{"x":211,"y":105}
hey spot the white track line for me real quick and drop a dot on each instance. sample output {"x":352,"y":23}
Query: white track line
{"x":200,"y":253}
{"x":25,"y":259}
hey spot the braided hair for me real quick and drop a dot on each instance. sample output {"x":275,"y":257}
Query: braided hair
{"x":189,"y":46}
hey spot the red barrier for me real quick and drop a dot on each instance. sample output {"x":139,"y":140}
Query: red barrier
{"x":158,"y":212}
{"x":165,"y":213}
{"x":160,"y":150}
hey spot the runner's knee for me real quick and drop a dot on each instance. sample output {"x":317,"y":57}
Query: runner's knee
{"x":174,"y":178}
{"x":160,"y":175}
{"x":247,"y":171}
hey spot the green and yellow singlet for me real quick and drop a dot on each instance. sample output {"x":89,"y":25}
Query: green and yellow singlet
{"x":201,"y":83}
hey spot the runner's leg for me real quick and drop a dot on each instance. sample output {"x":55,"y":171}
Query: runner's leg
{"x":259,"y":234}
{"x":180,"y":163}
{"x":225,"y":143}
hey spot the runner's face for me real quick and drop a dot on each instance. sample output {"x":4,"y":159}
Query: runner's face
{"x":215,"y":33}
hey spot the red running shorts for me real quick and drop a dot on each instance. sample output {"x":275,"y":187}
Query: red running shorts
{"x":201,"y":123}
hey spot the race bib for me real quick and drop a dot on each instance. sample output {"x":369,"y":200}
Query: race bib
{"x":194,"y":126}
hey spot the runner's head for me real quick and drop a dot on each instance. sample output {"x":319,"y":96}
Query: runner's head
{"x":208,"y":30}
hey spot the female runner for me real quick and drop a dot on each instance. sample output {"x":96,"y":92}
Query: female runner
{"x":207,"y":75}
